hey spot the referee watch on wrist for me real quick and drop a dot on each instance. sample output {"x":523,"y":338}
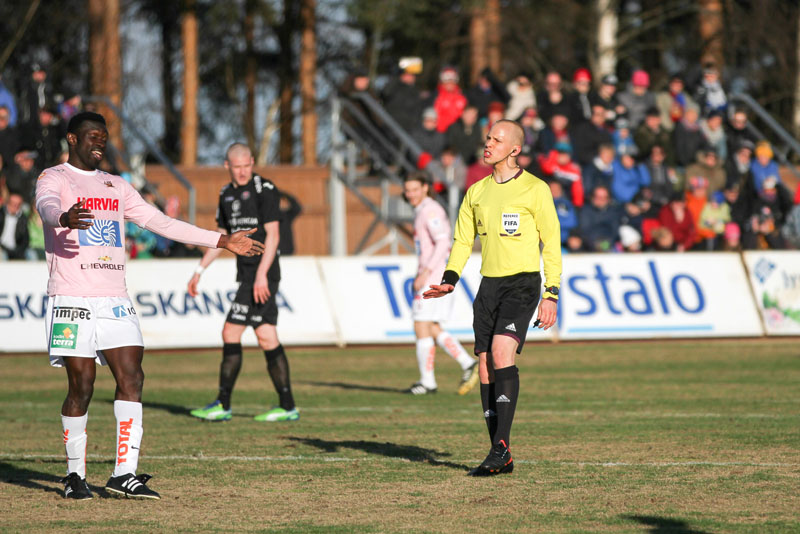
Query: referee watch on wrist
{"x":550,"y":293}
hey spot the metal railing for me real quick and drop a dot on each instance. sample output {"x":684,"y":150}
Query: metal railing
{"x":789,"y":143}
{"x":131,"y":126}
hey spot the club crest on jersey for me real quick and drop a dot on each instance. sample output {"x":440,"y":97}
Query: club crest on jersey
{"x":108,"y":183}
{"x":102,"y":233}
{"x":511,"y":223}
{"x":245,"y":195}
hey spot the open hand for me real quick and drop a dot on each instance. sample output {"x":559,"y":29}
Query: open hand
{"x":77,"y":217}
{"x":240,"y":244}
{"x":437,"y":291}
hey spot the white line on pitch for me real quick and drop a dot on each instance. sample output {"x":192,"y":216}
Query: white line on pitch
{"x":317,"y":458}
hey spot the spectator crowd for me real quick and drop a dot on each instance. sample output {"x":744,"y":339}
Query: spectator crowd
{"x":630,"y":167}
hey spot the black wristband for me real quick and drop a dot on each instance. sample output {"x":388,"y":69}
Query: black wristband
{"x":450,"y":277}
{"x":63,"y":224}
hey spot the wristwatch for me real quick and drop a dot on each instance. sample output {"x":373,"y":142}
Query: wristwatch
{"x":551,"y":293}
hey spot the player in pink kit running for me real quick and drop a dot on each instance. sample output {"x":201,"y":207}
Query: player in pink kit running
{"x":432,"y":239}
{"x":90,"y":317}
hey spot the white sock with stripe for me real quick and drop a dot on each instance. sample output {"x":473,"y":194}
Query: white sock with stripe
{"x":426,"y":351}
{"x":75,"y":443}
{"x":129,"y":436}
{"x":454,"y":349}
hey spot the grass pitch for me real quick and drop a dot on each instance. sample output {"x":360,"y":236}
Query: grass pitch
{"x":660,"y":437}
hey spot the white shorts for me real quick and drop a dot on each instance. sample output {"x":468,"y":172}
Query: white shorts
{"x":85,"y":326}
{"x":434,"y":310}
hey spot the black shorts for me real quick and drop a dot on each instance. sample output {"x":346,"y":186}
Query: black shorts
{"x":505,"y":306}
{"x":244,"y":309}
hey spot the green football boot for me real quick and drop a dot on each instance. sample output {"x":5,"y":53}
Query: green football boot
{"x":279,"y":414}
{"x":213,"y":412}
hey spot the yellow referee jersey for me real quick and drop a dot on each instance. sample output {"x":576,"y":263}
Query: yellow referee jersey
{"x":511,"y":219}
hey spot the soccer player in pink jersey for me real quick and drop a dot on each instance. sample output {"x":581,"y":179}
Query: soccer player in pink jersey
{"x":432,"y":239}
{"x":90,"y":318}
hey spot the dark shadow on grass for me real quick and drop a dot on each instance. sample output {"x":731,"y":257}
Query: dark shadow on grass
{"x":664,"y":525}
{"x":28,"y":478}
{"x":411,"y":453}
{"x":174,"y":409}
{"x":345,"y":385}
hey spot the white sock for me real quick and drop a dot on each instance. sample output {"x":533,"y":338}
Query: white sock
{"x":454,"y":349}
{"x":426,"y":351}
{"x":129,"y":436}
{"x":75,"y":443}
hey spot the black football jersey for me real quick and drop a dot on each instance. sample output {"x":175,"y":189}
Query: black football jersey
{"x":250,"y":206}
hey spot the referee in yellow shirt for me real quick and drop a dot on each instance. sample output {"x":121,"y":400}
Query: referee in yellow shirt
{"x":511,"y":211}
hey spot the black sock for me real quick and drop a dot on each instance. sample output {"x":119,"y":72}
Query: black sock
{"x":228,"y":371}
{"x":506,"y":383}
{"x":489,"y":409}
{"x":278,"y":367}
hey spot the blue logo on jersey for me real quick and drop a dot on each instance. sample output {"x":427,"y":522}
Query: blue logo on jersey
{"x":103,"y":233}
{"x":119,"y":311}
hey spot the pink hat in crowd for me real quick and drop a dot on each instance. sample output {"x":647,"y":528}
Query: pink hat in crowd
{"x":732,"y":231}
{"x":640,"y":78}
{"x":582,"y":75}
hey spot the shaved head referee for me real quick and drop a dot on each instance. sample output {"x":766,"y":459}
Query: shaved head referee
{"x":511,"y":211}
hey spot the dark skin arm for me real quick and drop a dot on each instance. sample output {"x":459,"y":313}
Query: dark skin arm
{"x":77,"y":217}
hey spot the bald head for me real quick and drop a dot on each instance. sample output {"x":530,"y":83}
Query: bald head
{"x":236,"y":151}
{"x":513,"y":131}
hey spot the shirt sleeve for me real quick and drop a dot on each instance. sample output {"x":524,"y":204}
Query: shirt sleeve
{"x":439,"y":229}
{"x":464,"y":235}
{"x":222,"y":221}
{"x":270,"y":207}
{"x":48,"y":198}
{"x":549,"y":233}
{"x":151,"y":218}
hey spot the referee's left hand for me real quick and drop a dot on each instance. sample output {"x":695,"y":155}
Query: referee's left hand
{"x":548,"y":310}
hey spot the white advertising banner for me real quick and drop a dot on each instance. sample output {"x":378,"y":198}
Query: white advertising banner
{"x":368,"y":299}
{"x":613,"y":296}
{"x":775,"y":278}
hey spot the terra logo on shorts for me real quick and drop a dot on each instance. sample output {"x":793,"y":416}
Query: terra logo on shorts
{"x":65,"y":336}
{"x":102,"y":233}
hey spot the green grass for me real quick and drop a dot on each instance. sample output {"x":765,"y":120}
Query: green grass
{"x":660,"y":437}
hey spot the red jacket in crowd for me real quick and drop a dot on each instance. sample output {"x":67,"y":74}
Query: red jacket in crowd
{"x":569,"y":175}
{"x":448,"y":105}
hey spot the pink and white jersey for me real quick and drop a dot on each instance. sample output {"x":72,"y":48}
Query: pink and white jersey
{"x":91,"y":263}
{"x":432,"y":239}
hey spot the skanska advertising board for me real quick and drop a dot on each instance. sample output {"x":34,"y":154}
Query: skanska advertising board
{"x":325,"y":301}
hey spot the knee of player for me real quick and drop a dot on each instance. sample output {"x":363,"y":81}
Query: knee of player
{"x":81,"y":391}
{"x":132,"y":382}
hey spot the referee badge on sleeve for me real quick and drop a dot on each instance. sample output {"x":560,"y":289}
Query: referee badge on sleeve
{"x":511,"y":223}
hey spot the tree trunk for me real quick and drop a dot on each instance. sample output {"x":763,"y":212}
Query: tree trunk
{"x":494,"y":34}
{"x":190,"y":86}
{"x":172,"y":123}
{"x":287,"y":76}
{"x":710,"y":15}
{"x":105,"y":64}
{"x":308,"y":61}
{"x":250,"y":75}
{"x":477,"y":43}
{"x":603,"y":58}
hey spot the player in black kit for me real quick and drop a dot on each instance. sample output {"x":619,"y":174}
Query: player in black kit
{"x":249,"y":201}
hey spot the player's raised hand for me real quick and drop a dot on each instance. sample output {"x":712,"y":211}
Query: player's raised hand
{"x":240,"y":244}
{"x":77,"y":217}
{"x":437,"y":291}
